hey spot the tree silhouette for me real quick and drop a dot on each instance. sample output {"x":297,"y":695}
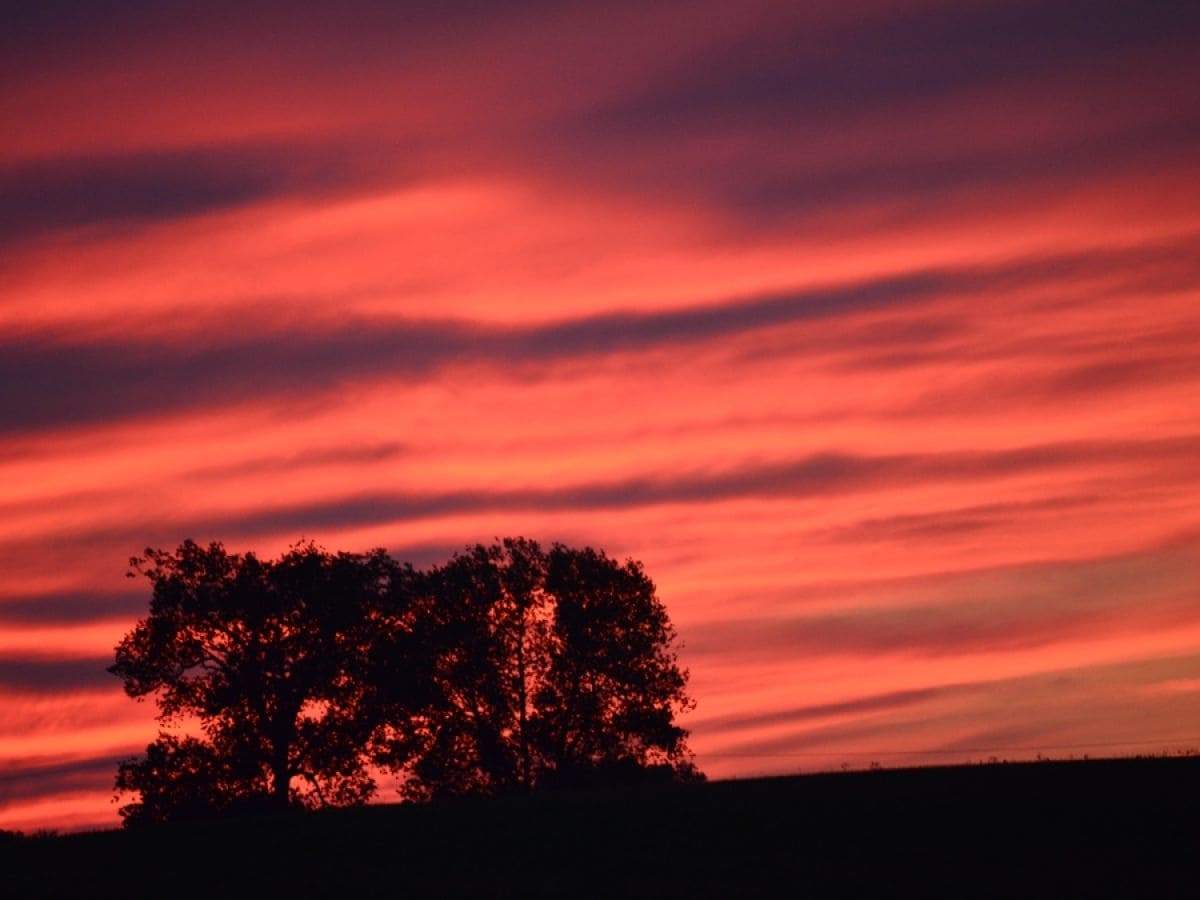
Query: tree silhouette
{"x":548,"y":668}
{"x":506,"y":669}
{"x":186,"y":778}
{"x":269,"y":657}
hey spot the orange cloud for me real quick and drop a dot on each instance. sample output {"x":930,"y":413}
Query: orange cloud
{"x":872,"y":332}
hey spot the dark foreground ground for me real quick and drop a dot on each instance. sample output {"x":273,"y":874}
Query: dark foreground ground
{"x":1126,"y":828}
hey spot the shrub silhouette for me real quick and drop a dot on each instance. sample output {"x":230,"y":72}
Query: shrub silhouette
{"x":508,"y":668}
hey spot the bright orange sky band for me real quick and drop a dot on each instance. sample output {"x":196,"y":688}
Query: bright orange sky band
{"x":872,"y":329}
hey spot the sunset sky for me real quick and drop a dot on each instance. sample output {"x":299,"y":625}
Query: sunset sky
{"x":871,"y":328}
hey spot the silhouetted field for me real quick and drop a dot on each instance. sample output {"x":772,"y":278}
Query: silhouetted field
{"x":1113,"y":828}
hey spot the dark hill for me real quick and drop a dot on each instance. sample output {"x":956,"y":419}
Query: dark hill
{"x":1114,"y":828}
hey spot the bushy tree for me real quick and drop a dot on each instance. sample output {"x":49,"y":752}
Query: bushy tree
{"x":551,"y":667}
{"x":268,"y":657}
{"x":187,"y":778}
{"x":608,"y":702}
{"x":505,"y":669}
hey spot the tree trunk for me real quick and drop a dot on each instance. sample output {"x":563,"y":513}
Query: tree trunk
{"x":523,"y":706}
{"x":283,"y":734}
{"x":281,"y":776}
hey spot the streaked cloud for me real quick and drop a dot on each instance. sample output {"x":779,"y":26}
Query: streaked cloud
{"x":54,"y":778}
{"x":61,"y":609}
{"x":1020,"y":606}
{"x":54,"y":380}
{"x":49,"y":676}
{"x":871,"y":329}
{"x":122,"y":190}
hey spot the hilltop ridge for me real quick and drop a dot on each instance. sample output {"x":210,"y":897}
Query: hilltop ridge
{"x":1103,"y":828}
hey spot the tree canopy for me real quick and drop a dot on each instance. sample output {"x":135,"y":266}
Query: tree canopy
{"x":507,"y":668}
{"x":552,"y":667}
{"x":268,"y":656}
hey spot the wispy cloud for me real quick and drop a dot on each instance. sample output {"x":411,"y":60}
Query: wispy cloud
{"x":52,"y":380}
{"x":1019,"y":607}
{"x":871,"y":329}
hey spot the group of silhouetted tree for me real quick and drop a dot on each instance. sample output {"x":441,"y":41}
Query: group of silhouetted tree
{"x":506,"y":669}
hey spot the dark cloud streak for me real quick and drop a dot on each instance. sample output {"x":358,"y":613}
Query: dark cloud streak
{"x":871,"y":704}
{"x":69,"y":608}
{"x":50,"y":381}
{"x":956,"y":522}
{"x":305,"y":459}
{"x":1024,"y":606}
{"x":881,"y":61}
{"x":54,"y":676}
{"x":22,"y":780}
{"x":818,"y":475}
{"x":120,"y":190}
{"x":793,"y":107}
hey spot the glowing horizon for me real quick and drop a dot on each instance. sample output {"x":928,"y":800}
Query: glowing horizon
{"x":872,"y":330}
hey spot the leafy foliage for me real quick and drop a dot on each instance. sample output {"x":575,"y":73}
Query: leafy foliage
{"x":505,"y":669}
{"x":187,"y":778}
{"x":269,"y":657}
{"x":552,"y":668}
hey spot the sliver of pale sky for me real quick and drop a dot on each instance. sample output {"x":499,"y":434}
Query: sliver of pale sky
{"x":872,"y":329}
